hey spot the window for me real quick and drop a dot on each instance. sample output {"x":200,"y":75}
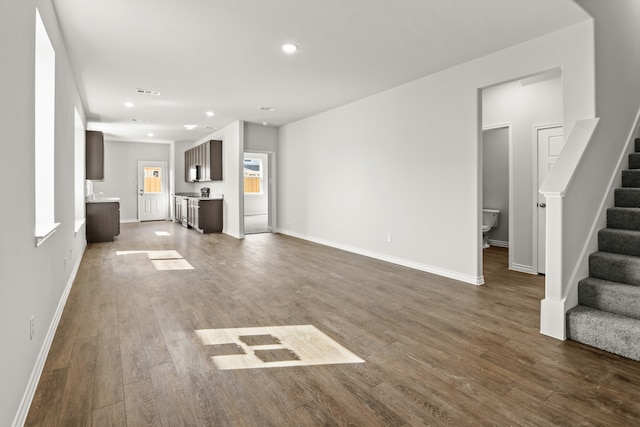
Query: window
{"x":252,"y":176}
{"x":79,"y":161}
{"x":152,"y":180}
{"x":44,"y":122}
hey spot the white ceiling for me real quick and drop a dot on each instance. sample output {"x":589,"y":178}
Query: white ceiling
{"x":224,"y":55}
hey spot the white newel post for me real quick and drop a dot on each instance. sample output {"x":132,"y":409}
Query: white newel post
{"x":552,"y":308}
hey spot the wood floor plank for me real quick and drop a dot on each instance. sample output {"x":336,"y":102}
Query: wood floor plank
{"x":77,"y":402}
{"x":107,"y":388}
{"x":46,"y":404}
{"x":140,"y":404}
{"x":109,"y":416}
{"x":436,"y":351}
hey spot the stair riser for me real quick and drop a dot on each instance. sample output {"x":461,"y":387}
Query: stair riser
{"x":631,"y":178}
{"x":617,"y":243}
{"x":634,"y":161}
{"x":623,"y":219}
{"x":624,"y":270}
{"x":627,"y":198}
{"x":637,"y":145}
{"x":618,"y":299}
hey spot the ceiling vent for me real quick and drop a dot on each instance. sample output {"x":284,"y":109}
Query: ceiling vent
{"x":148,"y":92}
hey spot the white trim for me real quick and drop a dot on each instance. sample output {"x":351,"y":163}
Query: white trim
{"x":523,"y":268}
{"x":534,"y":181}
{"x":44,"y":231}
{"x":479,"y":280}
{"x":498,"y":243}
{"x":29,"y":393}
{"x":509,"y":126}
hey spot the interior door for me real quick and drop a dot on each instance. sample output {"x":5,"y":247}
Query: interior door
{"x":550,"y":143}
{"x":152,"y":191}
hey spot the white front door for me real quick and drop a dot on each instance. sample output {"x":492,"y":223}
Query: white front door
{"x":550,"y":143}
{"x":152,"y":191}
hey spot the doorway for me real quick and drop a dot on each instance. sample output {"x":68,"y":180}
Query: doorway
{"x":152,"y":191}
{"x":526,"y":104}
{"x":549,"y":143}
{"x":258,"y":192}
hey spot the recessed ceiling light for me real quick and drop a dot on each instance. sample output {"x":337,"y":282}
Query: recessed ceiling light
{"x":190,"y":127}
{"x":150,"y":135}
{"x":129,"y":104}
{"x":289,"y":48}
{"x":210,"y":113}
{"x":267,"y":109}
{"x":265,"y":123}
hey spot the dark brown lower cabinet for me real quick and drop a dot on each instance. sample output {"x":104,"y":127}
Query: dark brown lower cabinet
{"x":205,"y":215}
{"x":103,"y":221}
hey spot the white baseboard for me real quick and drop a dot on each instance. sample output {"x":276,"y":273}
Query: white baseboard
{"x":383,"y":257}
{"x":522,"y":268}
{"x":27,"y":398}
{"x":498,"y":243}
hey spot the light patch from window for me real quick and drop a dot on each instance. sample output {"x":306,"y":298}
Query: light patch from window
{"x":274,"y":347}
{"x":163,"y":260}
{"x":171,"y":264}
{"x":162,"y":233}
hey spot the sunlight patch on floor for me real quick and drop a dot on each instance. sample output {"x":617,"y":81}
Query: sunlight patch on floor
{"x":163,"y":260}
{"x":274,"y":347}
{"x":162,"y":233}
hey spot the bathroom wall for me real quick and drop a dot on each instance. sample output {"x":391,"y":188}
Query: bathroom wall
{"x":524,"y":104}
{"x":495,"y":181}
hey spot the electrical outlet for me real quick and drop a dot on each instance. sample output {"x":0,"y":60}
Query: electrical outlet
{"x":389,"y":237}
{"x":32,"y":326}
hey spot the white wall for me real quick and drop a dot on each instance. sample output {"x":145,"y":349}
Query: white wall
{"x":33,"y":281}
{"x":525,"y":107}
{"x":121,"y":172}
{"x":260,"y":138}
{"x":405,"y":162}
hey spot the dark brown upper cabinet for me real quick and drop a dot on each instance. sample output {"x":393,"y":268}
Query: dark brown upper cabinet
{"x":94,"y":155}
{"x":203,"y":163}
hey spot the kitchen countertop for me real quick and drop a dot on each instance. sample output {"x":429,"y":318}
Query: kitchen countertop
{"x":104,"y":200}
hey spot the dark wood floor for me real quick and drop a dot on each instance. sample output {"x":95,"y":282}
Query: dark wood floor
{"x":436,"y":351}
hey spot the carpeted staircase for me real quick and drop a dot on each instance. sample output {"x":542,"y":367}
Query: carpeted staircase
{"x":608,"y":312}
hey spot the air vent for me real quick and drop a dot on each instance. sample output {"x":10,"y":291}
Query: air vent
{"x":148,"y":92}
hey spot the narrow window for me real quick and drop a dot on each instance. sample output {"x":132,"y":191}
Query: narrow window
{"x":79,"y":174}
{"x":45,"y":75}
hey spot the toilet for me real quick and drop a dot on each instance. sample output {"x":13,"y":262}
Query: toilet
{"x":489,"y":220}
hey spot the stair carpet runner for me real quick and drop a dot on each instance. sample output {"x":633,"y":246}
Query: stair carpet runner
{"x":608,"y":312}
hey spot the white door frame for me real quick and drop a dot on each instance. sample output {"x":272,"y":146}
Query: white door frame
{"x":509,"y":126}
{"x":271,"y":182}
{"x":165,"y":190}
{"x":534,"y":202}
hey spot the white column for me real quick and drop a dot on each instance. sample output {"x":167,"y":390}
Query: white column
{"x":552,"y":308}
